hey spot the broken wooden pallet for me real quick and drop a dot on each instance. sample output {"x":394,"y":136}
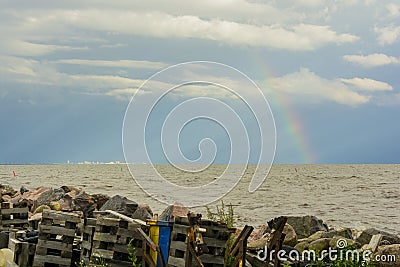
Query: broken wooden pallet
{"x":23,"y":251}
{"x":57,"y":232}
{"x":11,"y":217}
{"x":215,"y":237}
{"x":111,"y":239}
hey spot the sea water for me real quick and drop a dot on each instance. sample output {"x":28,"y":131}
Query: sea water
{"x":356,"y":196}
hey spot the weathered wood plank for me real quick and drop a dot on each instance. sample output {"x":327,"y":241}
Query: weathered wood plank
{"x":57,"y":230}
{"x":105,"y":237}
{"x":54,"y":245}
{"x":14,"y":211}
{"x":40,"y":260}
{"x":62,"y":216}
{"x":374,"y":242}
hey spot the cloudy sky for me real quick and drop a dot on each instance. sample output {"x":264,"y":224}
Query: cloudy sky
{"x":329,"y":69}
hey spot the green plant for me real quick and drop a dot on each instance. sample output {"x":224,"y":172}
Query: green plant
{"x":224,"y":214}
{"x":339,"y":262}
{"x":95,"y":262}
{"x":132,"y":254}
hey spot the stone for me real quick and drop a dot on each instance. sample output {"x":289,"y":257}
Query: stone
{"x":31,"y":196}
{"x":258,"y":233}
{"x":313,"y":237}
{"x":343,"y":232}
{"x":6,"y":257}
{"x":50,"y":195}
{"x":6,"y":189}
{"x":302,"y":246}
{"x":173,"y":211}
{"x":66,"y":203}
{"x":142,"y":213}
{"x":121,"y":205}
{"x":348,"y":242}
{"x":54,"y":205}
{"x":305,"y":226}
{"x":100,"y":200}
{"x":84,"y":202}
{"x":391,"y":254}
{"x":68,"y":189}
{"x":367,"y":234}
{"x":41,"y":208}
{"x":6,"y":198}
{"x":257,"y":244}
{"x":319,"y":244}
{"x":290,"y":236}
{"x":23,"y":189}
{"x":16,"y":198}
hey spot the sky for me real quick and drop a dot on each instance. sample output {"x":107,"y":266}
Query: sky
{"x":328,"y":69}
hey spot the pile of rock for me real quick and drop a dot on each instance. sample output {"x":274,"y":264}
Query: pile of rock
{"x":310,"y":233}
{"x":68,"y":199}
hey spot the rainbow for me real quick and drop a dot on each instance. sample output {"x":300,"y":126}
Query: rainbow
{"x":283,"y":111}
{"x":294,"y":127}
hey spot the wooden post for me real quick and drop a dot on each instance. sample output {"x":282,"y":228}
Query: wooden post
{"x":276,"y":241}
{"x":239,"y":247}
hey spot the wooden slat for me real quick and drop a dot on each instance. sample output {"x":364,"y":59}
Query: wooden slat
{"x":102,"y":253}
{"x":105,"y":237}
{"x":55,"y":245}
{"x":40,"y":259}
{"x":14,"y":211}
{"x":62,"y":216}
{"x":58,"y":230}
{"x":178,"y":245}
{"x":374,"y":242}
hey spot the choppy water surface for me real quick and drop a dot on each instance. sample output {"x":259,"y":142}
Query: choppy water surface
{"x":342,"y":195}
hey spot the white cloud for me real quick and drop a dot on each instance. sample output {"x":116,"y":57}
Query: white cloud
{"x":309,"y":3}
{"x":388,"y":35}
{"x":156,"y":24}
{"x":309,"y":87}
{"x":394,"y":9}
{"x":368,"y":84}
{"x":236,"y":22}
{"x":372,"y":60}
{"x":143,"y":64}
{"x":24,"y":48}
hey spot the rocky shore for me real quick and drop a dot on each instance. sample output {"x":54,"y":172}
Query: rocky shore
{"x":301,"y":232}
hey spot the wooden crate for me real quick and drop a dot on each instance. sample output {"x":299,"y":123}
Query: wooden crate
{"x":215,"y":237}
{"x":89,"y":227}
{"x":111,"y":239}
{"x":57,"y":232}
{"x":11,"y":217}
{"x":23,"y":251}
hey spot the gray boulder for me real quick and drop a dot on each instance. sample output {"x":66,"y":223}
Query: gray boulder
{"x":389,"y":255}
{"x":366,"y":235}
{"x":319,"y":244}
{"x":290,"y":236}
{"x":85,"y":203}
{"x":305,"y":226}
{"x":173,"y":211}
{"x":143,"y":212}
{"x":343,"y":232}
{"x":121,"y":205}
{"x":50,"y":195}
